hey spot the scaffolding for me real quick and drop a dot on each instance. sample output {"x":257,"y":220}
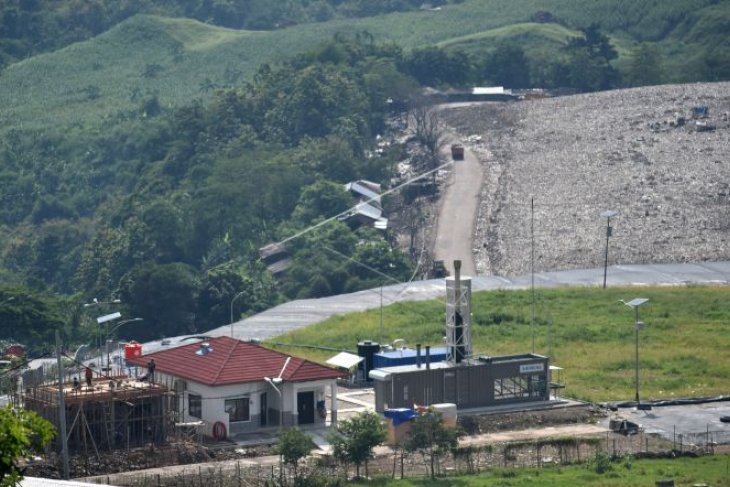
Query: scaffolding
{"x":114,"y":412}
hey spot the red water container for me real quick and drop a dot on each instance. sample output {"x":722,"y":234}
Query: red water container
{"x":132,"y":350}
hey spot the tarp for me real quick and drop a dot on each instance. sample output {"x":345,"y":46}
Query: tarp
{"x":399,"y":415}
{"x":345,"y":360}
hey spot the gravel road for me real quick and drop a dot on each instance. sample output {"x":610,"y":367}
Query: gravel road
{"x":578,"y":156}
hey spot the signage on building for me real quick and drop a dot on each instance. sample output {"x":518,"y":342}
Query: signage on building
{"x":530,"y":368}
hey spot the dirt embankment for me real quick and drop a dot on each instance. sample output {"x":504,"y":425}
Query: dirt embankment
{"x":638,"y":152}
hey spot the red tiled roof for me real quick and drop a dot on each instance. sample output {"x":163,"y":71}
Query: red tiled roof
{"x":233,"y":361}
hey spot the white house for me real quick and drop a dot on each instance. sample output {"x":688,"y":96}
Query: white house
{"x":236,"y":387}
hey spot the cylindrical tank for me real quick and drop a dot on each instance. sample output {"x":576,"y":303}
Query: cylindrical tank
{"x":367,"y":350}
{"x":448,"y":412}
{"x":132,"y":350}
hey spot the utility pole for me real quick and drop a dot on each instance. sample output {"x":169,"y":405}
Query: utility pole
{"x":62,"y":409}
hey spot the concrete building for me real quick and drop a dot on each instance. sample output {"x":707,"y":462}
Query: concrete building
{"x":236,"y":387}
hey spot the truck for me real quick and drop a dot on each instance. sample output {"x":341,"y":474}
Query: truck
{"x":457,"y":152}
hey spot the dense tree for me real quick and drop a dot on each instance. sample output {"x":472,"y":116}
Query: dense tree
{"x":431,"y":437}
{"x":164,"y":296}
{"x":321,"y":199}
{"x":292,"y":445}
{"x":508,"y":66}
{"x":355,"y":437}
{"x":646,"y":66}
{"x":433,"y":66}
{"x":30,"y":318}
{"x":588,"y":65}
{"x":21,"y":434}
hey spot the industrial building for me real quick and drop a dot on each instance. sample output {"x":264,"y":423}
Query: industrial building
{"x":463,"y":379}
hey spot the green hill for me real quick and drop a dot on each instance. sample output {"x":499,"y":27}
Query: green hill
{"x":177,"y":60}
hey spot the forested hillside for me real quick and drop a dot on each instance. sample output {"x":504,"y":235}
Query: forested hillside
{"x":149,"y":148}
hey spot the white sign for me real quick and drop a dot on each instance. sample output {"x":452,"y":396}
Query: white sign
{"x":530,"y":368}
{"x":105,"y":318}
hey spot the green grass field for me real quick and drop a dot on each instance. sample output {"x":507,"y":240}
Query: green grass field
{"x":683,"y":345}
{"x":710,"y":470}
{"x":178,"y":60}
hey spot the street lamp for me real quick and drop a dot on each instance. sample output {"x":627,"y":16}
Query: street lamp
{"x":108,"y":334}
{"x":635,"y":303}
{"x":232,"y":301}
{"x":95,"y":302}
{"x":607,"y":215}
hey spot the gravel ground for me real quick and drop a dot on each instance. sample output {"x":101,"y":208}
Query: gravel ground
{"x":581,"y":155}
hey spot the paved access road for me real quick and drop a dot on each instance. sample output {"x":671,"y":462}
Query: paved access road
{"x":455,"y":228}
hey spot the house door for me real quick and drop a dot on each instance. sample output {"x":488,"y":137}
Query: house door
{"x":305,"y":407}
{"x":263,"y":410}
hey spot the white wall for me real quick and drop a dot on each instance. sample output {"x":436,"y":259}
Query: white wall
{"x":213,"y":401}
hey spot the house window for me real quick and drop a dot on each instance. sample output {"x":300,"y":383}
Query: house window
{"x":238,"y":409}
{"x":195,"y":405}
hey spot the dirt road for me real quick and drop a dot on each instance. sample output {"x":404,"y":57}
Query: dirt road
{"x":457,"y":214}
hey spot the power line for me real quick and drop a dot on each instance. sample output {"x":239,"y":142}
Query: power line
{"x":350,"y":211}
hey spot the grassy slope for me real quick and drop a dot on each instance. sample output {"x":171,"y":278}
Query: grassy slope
{"x":98,"y":78}
{"x":683,"y":348}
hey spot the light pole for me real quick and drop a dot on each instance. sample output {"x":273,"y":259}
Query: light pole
{"x":108,"y":334}
{"x":95,"y":302}
{"x":635,"y":303}
{"x":233,"y":301}
{"x":607,"y":215}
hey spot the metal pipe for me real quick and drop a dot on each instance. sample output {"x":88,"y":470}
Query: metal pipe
{"x":428,"y":357}
{"x":418,"y":355}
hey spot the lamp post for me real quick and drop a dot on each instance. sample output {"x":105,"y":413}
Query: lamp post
{"x":607,"y":215}
{"x":233,"y":301}
{"x":95,"y":302}
{"x":108,"y":334}
{"x":635,"y":303}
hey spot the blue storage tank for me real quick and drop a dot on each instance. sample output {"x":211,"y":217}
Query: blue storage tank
{"x":407,"y":356}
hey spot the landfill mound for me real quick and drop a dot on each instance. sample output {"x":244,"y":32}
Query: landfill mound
{"x":658,"y":156}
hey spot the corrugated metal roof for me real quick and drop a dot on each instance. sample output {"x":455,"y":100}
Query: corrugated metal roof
{"x":369,"y":190}
{"x":489,"y":90}
{"x":233,"y":361}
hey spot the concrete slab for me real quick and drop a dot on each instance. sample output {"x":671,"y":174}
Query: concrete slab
{"x":689,"y":423}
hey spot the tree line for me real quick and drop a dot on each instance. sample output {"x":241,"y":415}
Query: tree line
{"x":29,"y":27}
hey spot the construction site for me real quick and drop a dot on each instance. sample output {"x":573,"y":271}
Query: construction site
{"x":106,"y":412}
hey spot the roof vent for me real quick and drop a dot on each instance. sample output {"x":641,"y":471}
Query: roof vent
{"x":204,"y":349}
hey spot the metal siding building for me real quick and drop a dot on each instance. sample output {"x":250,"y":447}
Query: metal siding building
{"x":487,"y":381}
